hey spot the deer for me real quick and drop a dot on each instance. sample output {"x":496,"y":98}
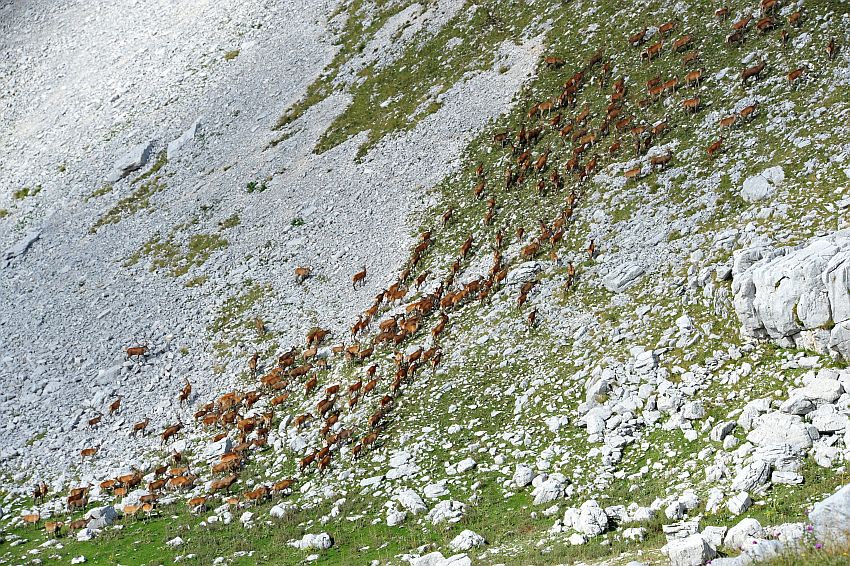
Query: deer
{"x":137,"y":352}
{"x":553,"y":62}
{"x":88,"y":452}
{"x":359,"y":277}
{"x":252,"y":363}
{"x":306,"y":461}
{"x":40,"y":492}
{"x":728,"y":121}
{"x":223,"y":484}
{"x":682,"y":43}
{"x":31,"y":518}
{"x":53,"y":528}
{"x":185,"y":393}
{"x":796,"y":74}
{"x":735,"y":37}
{"x":767,"y":6}
{"x":693,"y":78}
{"x":831,"y":49}
{"x":666,"y":28}
{"x":714,"y":147}
{"x":114,"y":406}
{"x":139,"y":427}
{"x":638,"y":37}
{"x":169,"y":432}
{"x":752,"y":72}
{"x":742,"y":24}
{"x":748,"y":112}
{"x":632,"y":173}
{"x":794,"y":18}
{"x":690,"y":57}
{"x":660,"y":160}
{"x":765,"y":25}
{"x":722,"y":14}
{"x":691,"y":105}
{"x":282,"y":485}
{"x":532,"y":317}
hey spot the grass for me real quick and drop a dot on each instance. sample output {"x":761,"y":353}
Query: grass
{"x":104,"y":190}
{"x":4,"y":213}
{"x":138,"y":200}
{"x":256,"y":187}
{"x":25,"y":192}
{"x":478,"y":396}
{"x":161,"y":161}
{"x":178,"y":258}
{"x":231,"y":55}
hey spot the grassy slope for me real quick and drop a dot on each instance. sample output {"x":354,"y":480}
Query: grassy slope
{"x":479,"y":383}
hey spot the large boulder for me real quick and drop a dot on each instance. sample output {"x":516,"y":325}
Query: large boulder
{"x":830,"y":518}
{"x":797,"y":297}
{"x":781,"y":428}
{"x":690,"y":551}
{"x":101,"y":517}
{"x":321,"y":541}
{"x":465,"y":540}
{"x":133,"y":159}
{"x":592,"y":519}
{"x":411,"y":501}
{"x":759,"y":187}
{"x":622,"y":277}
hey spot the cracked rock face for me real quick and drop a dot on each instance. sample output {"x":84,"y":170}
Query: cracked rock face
{"x":797,"y":297}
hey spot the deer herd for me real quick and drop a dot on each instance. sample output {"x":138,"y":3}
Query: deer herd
{"x":297,"y":377}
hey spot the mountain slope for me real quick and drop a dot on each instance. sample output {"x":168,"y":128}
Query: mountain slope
{"x":624,"y":387}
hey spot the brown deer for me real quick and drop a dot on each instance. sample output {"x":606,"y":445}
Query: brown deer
{"x":137,"y":352}
{"x":666,"y":28}
{"x":638,"y":38}
{"x":831,"y":49}
{"x":682,"y":43}
{"x":169,"y":432}
{"x":252,"y":363}
{"x":722,"y":14}
{"x":359,"y":277}
{"x":691,"y":105}
{"x":714,"y":147}
{"x":139,"y":427}
{"x":795,"y":75}
{"x":660,"y":161}
{"x":632,"y":173}
{"x":693,"y":78}
{"x":752,"y":72}
{"x":185,"y":393}
{"x":553,"y":62}
{"x":115,"y":406}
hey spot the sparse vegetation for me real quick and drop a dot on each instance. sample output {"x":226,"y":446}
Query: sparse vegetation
{"x":25,"y":192}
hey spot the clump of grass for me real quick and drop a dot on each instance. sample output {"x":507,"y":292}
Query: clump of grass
{"x":177,"y":259}
{"x":297,"y":221}
{"x":132,"y":203}
{"x":256,"y":186}
{"x":25,"y":192}
{"x":231,"y":55}
{"x":105,"y":189}
{"x":197,"y":281}
{"x":4,"y":213}
{"x":230,"y":222}
{"x":40,"y":436}
{"x":160,"y":162}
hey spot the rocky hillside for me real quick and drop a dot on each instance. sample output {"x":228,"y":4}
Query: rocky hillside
{"x":425,"y":283}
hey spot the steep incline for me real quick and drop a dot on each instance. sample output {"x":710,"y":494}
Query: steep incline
{"x":555,"y":206}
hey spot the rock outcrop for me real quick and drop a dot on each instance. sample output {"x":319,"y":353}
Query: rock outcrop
{"x":797,"y":297}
